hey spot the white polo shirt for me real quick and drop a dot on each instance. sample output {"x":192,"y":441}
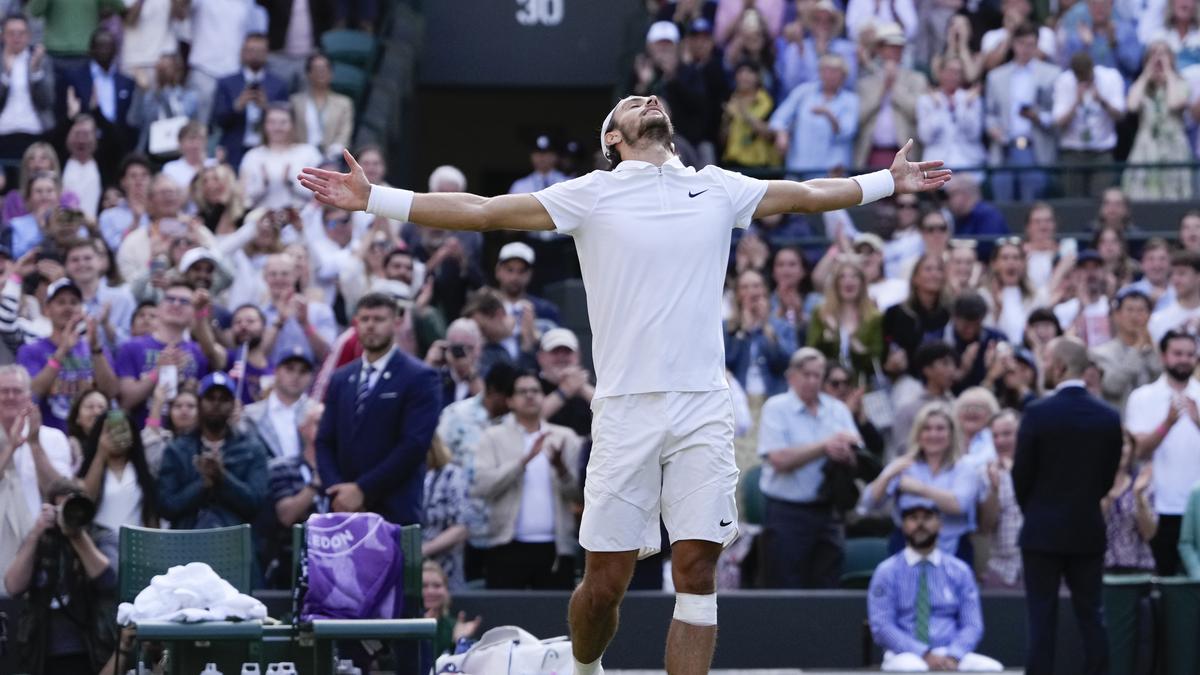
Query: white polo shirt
{"x":653,"y":247}
{"x":1177,"y":458}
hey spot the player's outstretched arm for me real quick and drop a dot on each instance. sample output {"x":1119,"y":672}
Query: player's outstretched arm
{"x":830,"y":194}
{"x":445,"y":210}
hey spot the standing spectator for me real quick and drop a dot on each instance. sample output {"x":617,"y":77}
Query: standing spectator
{"x":380,"y":414}
{"x":840,"y":383}
{"x":324,"y":118}
{"x":294,"y":30}
{"x":69,"y":25}
{"x":974,"y":408}
{"x":514,"y":271}
{"x":526,"y":472}
{"x":972,"y":215}
{"x":888,"y":94}
{"x":701,"y":55}
{"x":277,"y":419}
{"x":1085,"y":316}
{"x":865,"y":15}
{"x":42,"y":197}
{"x":815,"y":125}
{"x":1178,"y":26}
{"x":848,"y":327}
{"x":1089,"y":27}
{"x":140,"y":362}
{"x":67,"y":363}
{"x":193,"y":150}
{"x":166,"y":99}
{"x":936,"y":364}
{"x":116,"y":475}
{"x":38,"y":158}
{"x":950,"y":119}
{"x":923,"y":605}
{"x":26,"y":90}
{"x":81,"y":173}
{"x":757,"y":343}
{"x":1041,"y":244}
{"x":1158,"y":97}
{"x":1019,"y":96}
{"x":110,"y":307}
{"x":731,"y":14}
{"x":801,"y":432}
{"x":1155,"y":283}
{"x":1000,"y":518}
{"x":215,"y":476}
{"x":148,"y":34}
{"x":908,"y":325}
{"x":445,"y":509}
{"x":148,"y":245}
{"x":242,"y":99}
{"x":1164,"y":420}
{"x":749,"y":140}
{"x":495,"y":324}
{"x":996,"y":43}
{"x":86,"y":409}
{"x":268,"y":172}
{"x":753,"y":42}
{"x":97,"y":88}
{"x":810,"y":37}
{"x":219,"y":28}
{"x":567,"y":386}
{"x":247,"y":329}
{"x":960,"y":37}
{"x":1129,"y":515}
{"x":1089,"y":99}
{"x":181,"y":419}
{"x":1070,"y":433}
{"x":1011,"y":297}
{"x":544,"y":156}
{"x":457,"y":360}
{"x":1184,"y":313}
{"x":1130,"y":359}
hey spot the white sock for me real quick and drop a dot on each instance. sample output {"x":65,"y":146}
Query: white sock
{"x":592,"y":668}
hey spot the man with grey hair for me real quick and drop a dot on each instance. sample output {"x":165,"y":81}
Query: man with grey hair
{"x":447,"y":178}
{"x":457,"y":359}
{"x":801,"y":431}
{"x":1068,"y":450}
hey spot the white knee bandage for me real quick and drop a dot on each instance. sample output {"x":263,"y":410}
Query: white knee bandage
{"x":698,"y":610}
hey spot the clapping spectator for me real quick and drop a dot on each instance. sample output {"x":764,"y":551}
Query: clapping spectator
{"x":81,"y":173}
{"x":749,"y":141}
{"x":757,"y":343}
{"x":1090,"y":27}
{"x":1000,"y":517}
{"x":862,"y":15}
{"x":1184,"y":313}
{"x":1085,"y":316}
{"x":324,"y":118}
{"x":792,"y":296}
{"x":926,"y":311}
{"x":118,"y":221}
{"x":567,"y":385}
{"x":996,"y":43}
{"x":242,"y":100}
{"x":181,"y":419}
{"x":950,"y":119}
{"x":268,"y":172}
{"x":813,"y":35}
{"x":298,"y":321}
{"x":1130,"y":359}
{"x":117,"y":476}
{"x":1089,"y":99}
{"x":1129,"y":514}
{"x":218,"y":197}
{"x":752,"y":42}
{"x":166,"y":100}
{"x":1158,"y":97}
{"x":887,"y":95}
{"x":815,"y":125}
{"x":848,"y":327}
{"x":110,"y":306}
{"x":87,"y":407}
{"x":1179,"y":29}
{"x":1010,"y":298}
{"x":148,"y":34}
{"x":958,"y":46}
{"x":27,"y":89}
{"x":38,"y":158}
{"x":42,"y":196}
{"x":97,"y":88}
{"x":844,"y":385}
{"x":435,"y":596}
{"x":193,"y":151}
{"x":1119,"y":267}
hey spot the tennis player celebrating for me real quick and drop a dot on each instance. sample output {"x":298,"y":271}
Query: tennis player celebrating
{"x":653,"y":240}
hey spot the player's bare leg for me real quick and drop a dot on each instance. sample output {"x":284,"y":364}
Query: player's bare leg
{"x":593,"y":612}
{"x":694,"y":570}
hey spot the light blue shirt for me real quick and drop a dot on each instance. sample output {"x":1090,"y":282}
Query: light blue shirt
{"x":962,"y":479}
{"x":104,"y":83}
{"x":797,"y":65}
{"x":1164,"y":301}
{"x":787,"y":422}
{"x":121,"y":307}
{"x":955,"y":614}
{"x":814,"y":147}
{"x":536,"y":181}
{"x":116,"y":222}
{"x":26,"y":233}
{"x":1022,"y":92}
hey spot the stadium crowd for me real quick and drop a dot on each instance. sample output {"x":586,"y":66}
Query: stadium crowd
{"x":190,"y":340}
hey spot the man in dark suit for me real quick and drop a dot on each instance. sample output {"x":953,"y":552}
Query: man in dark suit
{"x":241,"y":100}
{"x":380,"y":415}
{"x":1068,"y":449}
{"x":100,"y":89}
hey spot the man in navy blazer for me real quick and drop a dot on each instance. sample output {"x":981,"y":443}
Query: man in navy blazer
{"x":380,"y":415}
{"x":100,"y":89}
{"x":1068,"y":449}
{"x":241,"y":100}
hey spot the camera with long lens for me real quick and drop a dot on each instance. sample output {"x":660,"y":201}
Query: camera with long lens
{"x":78,"y":511}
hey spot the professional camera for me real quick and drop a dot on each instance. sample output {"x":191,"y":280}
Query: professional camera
{"x":77,"y":511}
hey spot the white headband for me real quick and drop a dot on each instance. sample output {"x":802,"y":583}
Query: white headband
{"x":604,"y":127}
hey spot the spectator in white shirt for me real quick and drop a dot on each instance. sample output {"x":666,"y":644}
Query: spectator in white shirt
{"x":1088,"y":101}
{"x":866,"y":14}
{"x":1184,"y":313}
{"x":26,"y":90}
{"x":81,"y":173}
{"x":119,"y":221}
{"x":278,"y":418}
{"x":1041,"y":243}
{"x":996,"y":43}
{"x":148,"y":34}
{"x":1086,"y":315}
{"x":324,"y":118}
{"x":269,"y":171}
{"x":193,"y":147}
{"x":950,"y":119}
{"x":116,"y":474}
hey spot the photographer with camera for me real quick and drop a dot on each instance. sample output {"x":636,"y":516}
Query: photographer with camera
{"x":66,"y":569}
{"x":457,"y":361}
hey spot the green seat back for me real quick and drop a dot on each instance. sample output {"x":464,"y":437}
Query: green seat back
{"x":754,"y":503}
{"x":353,"y":47}
{"x":410,"y":545}
{"x":862,"y":556}
{"x":148,"y":552}
{"x":349,"y":80}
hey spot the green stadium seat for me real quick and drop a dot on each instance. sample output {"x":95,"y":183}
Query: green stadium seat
{"x":351,"y":47}
{"x":863,"y":555}
{"x":754,"y":503}
{"x":349,"y":80}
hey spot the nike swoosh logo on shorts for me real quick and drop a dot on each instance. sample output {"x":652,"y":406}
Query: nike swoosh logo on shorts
{"x":690,"y":194}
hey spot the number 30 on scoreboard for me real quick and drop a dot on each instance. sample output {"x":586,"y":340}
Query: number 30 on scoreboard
{"x":540,"y":12}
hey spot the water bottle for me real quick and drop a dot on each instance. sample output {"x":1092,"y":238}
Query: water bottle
{"x":347,"y":667}
{"x":250,"y":669}
{"x":282,"y":668}
{"x":210,"y":669}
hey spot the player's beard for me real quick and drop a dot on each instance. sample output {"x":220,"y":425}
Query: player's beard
{"x":652,"y":130}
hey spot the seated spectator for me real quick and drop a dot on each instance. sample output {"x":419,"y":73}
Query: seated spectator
{"x":295,"y":493}
{"x":1019,"y":97}
{"x":936,"y":366}
{"x":215,"y":476}
{"x":924,"y":605}
{"x":81,"y":173}
{"x":996,"y":43}
{"x":87,"y":407}
{"x":98,"y":89}
{"x":543,"y":156}
{"x":435,"y":596}
{"x":496,"y":326}
{"x":268,"y":172}
{"x":1091,"y":28}
{"x":844,"y":385}
{"x":277,"y":418}
{"x":444,"y":523}
{"x":27,"y":89}
{"x":848,"y":327}
{"x":963,"y":271}
{"x":1129,"y":515}
{"x":251,"y":363}
{"x":116,"y":475}
{"x":64,"y":228}
{"x":935,"y":232}
{"x":801,"y":432}
{"x":181,"y":420}
{"x":193,"y":151}
{"x":1155,"y":265}
{"x":514,"y":271}
{"x":884,"y":291}
{"x":972,"y":215}
{"x":925,"y":312}
{"x":757,"y":343}
{"x":1085,"y":316}
{"x":1000,"y":517}
{"x":816,"y":124}
{"x":567,"y":386}
{"x":42,"y":196}
{"x":324,"y":118}
{"x":1011,"y":299}
{"x":932,"y":471}
{"x":67,"y":576}
{"x":39,"y":158}
{"x":974,"y":409}
{"x":1158,"y":97}
{"x":167,"y":100}
{"x":298,"y":321}
{"x":119,"y":221}
{"x":145,"y":319}
{"x":749,"y":141}
{"x":1129,"y":360}
{"x":792,"y":295}
{"x":242,"y":99}
{"x":217,"y":194}
{"x":1184,"y":313}
{"x":813,"y":35}
{"x":887,"y":100}
{"x":521,"y":466}
{"x":1119,"y":267}
{"x":1089,"y":99}
{"x":1040,"y":328}
{"x":949,"y":119}
{"x":68,"y":362}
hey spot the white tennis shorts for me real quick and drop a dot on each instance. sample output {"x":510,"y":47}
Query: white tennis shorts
{"x":666,"y":453}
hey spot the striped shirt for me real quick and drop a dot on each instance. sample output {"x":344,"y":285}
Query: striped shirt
{"x":955,"y":617}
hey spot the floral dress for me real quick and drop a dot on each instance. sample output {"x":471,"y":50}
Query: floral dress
{"x":445,"y":501}
{"x":1161,"y":137}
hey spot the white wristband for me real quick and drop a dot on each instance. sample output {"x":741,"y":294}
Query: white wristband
{"x":389,"y":202}
{"x":875,"y":186}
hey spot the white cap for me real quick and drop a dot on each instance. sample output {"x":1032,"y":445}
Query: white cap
{"x":559,"y":337}
{"x":517,"y":250}
{"x":195,"y":255}
{"x":890,"y":33}
{"x":663,"y":30}
{"x":399,"y":290}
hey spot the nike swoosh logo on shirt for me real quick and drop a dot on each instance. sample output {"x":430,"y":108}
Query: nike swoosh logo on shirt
{"x":726,"y":523}
{"x":693,"y":195}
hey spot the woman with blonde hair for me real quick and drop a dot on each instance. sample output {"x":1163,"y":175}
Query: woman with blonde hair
{"x":974,"y":409}
{"x":217,"y":194}
{"x":847,"y":327}
{"x":444,"y":526}
{"x":1159,"y":97}
{"x":1011,"y":298}
{"x":931,"y":473}
{"x":38,"y":158}
{"x":435,"y":595}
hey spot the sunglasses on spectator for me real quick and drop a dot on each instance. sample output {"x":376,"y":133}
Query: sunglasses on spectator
{"x":177,"y":300}
{"x":838,"y":382}
{"x":1009,"y":241}
{"x":943,"y":227}
{"x":963,"y":243}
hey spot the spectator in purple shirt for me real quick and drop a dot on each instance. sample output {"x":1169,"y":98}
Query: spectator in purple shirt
{"x":69,"y":362}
